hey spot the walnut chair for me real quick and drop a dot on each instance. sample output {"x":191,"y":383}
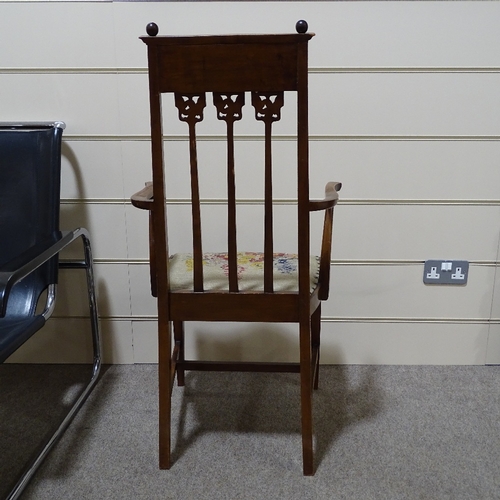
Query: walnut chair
{"x":234,"y":285}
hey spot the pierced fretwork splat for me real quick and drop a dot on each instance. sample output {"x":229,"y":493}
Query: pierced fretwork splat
{"x":191,"y":108}
{"x":267,"y":106}
{"x":229,"y":109}
{"x":229,"y":106}
{"x":268,"y":109}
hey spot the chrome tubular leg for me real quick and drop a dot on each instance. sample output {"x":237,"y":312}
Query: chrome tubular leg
{"x":89,"y":269}
{"x":32,"y":468}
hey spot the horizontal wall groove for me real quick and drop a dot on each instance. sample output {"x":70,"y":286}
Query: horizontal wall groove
{"x":291,"y":137}
{"x":333,"y":262}
{"x":405,"y":137}
{"x":408,"y":320}
{"x":104,"y":260}
{"x":72,"y":70}
{"x":402,"y":262}
{"x":420,"y":202}
{"x":402,"y":69}
{"x":325,"y":319}
{"x":312,"y":70}
{"x":290,"y":201}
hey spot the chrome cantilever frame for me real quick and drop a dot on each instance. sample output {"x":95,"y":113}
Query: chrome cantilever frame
{"x":87,"y":265}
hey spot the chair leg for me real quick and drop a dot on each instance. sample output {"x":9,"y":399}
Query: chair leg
{"x":179,"y":341}
{"x":306,"y":397}
{"x":87,"y":265}
{"x":164,"y":388}
{"x":315,"y":338}
{"x":94,"y":317}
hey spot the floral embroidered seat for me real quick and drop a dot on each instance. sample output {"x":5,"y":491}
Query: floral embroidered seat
{"x":250,"y":271}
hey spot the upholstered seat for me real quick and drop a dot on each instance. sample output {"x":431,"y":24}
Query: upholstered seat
{"x":250,"y":272}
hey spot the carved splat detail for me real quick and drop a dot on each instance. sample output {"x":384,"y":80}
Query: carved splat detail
{"x":267,"y":106}
{"x":229,"y":106}
{"x":190,"y":107}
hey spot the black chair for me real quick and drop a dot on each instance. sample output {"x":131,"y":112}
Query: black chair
{"x":30,"y":243}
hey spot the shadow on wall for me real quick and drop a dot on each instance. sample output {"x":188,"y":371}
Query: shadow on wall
{"x":74,"y":213}
{"x":245,"y":342}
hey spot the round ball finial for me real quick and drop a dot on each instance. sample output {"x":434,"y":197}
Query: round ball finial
{"x":301,"y":26}
{"x":152,"y":29}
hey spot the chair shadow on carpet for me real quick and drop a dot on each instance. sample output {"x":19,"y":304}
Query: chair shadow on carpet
{"x":33,"y":401}
{"x":269,"y":403}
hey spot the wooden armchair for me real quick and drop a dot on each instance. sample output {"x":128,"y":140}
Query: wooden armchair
{"x":234,"y":285}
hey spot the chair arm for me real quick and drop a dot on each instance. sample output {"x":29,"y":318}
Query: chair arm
{"x":327,"y":204}
{"x":30,"y":260}
{"x":143,"y":199}
{"x":330,"y":199}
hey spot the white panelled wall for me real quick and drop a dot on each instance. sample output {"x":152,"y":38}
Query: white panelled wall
{"x":404,"y":110}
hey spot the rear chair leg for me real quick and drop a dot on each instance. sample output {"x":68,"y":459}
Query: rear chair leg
{"x":315,"y":339}
{"x":179,"y":341}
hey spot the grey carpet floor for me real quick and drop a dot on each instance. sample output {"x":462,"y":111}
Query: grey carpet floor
{"x":386,"y":432}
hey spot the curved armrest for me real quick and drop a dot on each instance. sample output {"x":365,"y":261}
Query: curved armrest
{"x":143,"y":199}
{"x":21,"y":266}
{"x":330,"y":199}
{"x":327,"y":204}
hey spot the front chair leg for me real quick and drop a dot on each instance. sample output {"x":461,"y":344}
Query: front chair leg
{"x":306,"y":397}
{"x":164,"y":390}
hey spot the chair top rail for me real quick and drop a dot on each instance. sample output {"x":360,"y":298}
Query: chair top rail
{"x":31,"y":125}
{"x":226,"y":39}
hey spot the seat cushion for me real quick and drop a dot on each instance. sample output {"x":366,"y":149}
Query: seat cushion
{"x":250,"y":271}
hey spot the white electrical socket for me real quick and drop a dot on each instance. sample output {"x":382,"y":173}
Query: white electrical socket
{"x":433,"y":275}
{"x":458,"y":275}
{"x":451,"y":272}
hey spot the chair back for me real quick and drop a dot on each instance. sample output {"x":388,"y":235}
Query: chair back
{"x":30,"y":161}
{"x":229,"y":71}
